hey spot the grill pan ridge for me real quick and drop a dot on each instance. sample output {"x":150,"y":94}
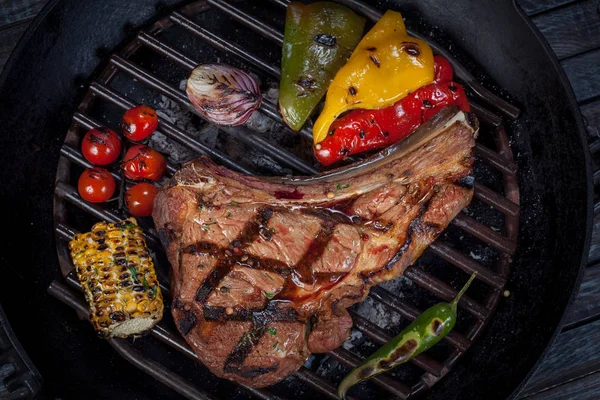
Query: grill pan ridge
{"x":491,"y":226}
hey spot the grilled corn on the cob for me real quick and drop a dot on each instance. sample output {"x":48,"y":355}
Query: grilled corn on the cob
{"x":117,"y":274}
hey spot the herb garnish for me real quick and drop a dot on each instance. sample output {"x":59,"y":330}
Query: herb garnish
{"x":340,"y":187}
{"x":127,"y":225}
{"x":229,"y":214}
{"x":154,"y":291}
{"x":272,"y":331}
{"x":269,"y":295}
{"x":205,"y":226}
{"x":134,"y":275}
{"x":234,"y":203}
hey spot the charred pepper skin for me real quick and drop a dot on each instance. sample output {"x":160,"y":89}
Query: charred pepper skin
{"x":318,"y":39}
{"x":422,"y":334}
{"x":363,"y":130}
{"x":386,"y":66}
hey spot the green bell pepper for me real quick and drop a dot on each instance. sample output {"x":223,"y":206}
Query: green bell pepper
{"x":318,"y":39}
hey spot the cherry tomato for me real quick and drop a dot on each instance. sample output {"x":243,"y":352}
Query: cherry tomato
{"x":139,"y":122}
{"x":96,"y":185}
{"x":142,"y":162}
{"x":101,"y":146}
{"x":140,"y":199}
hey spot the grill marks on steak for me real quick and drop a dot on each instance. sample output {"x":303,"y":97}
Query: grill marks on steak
{"x":260,"y":280}
{"x":226,"y":259}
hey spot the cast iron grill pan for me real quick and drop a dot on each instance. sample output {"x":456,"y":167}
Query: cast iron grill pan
{"x":150,"y":70}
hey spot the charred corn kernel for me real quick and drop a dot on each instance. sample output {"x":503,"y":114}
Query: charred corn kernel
{"x":118,"y":278}
{"x":386,"y":65}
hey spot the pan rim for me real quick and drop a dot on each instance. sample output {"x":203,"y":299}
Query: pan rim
{"x":581,"y":134}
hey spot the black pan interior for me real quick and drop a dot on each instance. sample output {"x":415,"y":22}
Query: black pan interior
{"x":47,"y":77}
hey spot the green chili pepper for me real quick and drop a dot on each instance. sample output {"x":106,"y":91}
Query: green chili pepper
{"x":318,"y":39}
{"x":424,"y":332}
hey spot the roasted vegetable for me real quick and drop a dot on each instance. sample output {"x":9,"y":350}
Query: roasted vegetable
{"x":386,"y":66}
{"x":117,"y":275}
{"x":101,"y":146}
{"x":362,"y":130}
{"x":143,"y":162}
{"x":139,"y":122}
{"x":318,"y":39}
{"x":442,"y":70}
{"x":424,"y":332}
{"x":222,"y":94}
{"x":140,"y":199}
{"x":96,"y":185}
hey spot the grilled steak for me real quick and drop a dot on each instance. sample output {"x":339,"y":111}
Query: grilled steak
{"x":264,"y":268}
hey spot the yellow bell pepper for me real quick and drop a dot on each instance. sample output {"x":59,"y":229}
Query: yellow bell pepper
{"x":386,"y":66}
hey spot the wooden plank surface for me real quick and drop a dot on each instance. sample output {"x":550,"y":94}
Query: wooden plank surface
{"x":8,"y":40}
{"x":583,"y":73}
{"x":571,"y":30}
{"x":575,"y":354}
{"x":594,"y":254}
{"x":591,"y":113}
{"x":585,"y":388}
{"x":587,"y":304}
{"x":532,"y":7}
{"x":12,"y":11}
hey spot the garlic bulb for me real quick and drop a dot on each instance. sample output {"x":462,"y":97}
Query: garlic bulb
{"x":222,"y":94}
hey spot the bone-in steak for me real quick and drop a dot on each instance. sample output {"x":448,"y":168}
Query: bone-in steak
{"x":264,"y":268}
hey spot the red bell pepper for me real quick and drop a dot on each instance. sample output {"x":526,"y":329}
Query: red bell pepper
{"x":362,"y":130}
{"x":442,"y":70}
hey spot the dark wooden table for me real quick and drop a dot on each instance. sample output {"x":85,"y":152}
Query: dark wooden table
{"x":572,"y":27}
